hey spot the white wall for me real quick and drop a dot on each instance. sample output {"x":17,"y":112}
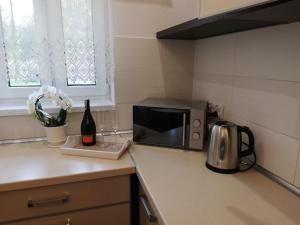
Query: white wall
{"x":145,"y":67}
{"x":256,"y":75}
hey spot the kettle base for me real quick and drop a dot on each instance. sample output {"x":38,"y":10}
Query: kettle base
{"x":223,"y":171}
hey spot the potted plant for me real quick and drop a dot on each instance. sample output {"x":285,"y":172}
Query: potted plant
{"x":55,"y":126}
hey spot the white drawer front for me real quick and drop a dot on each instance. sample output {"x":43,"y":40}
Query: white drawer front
{"x":43,"y":201}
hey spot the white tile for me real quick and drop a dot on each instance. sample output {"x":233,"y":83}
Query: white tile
{"x":215,"y":55}
{"x":176,"y":56}
{"x":134,"y":80}
{"x":134,"y":86}
{"x":105,"y":121}
{"x":178,"y":89}
{"x":74,"y":122}
{"x":16,"y":127}
{"x":151,"y":55}
{"x":269,"y":103}
{"x":41,"y":132}
{"x":171,"y":85}
{"x":137,"y":55}
{"x":130,"y":18}
{"x":178,"y":85}
{"x":270,"y":53}
{"x":132,"y":95}
{"x":132,"y":75}
{"x":214,"y":88}
{"x":138,"y":83}
{"x":145,"y":18}
{"x":178,"y":75}
{"x":275,"y":152}
{"x":125,"y":116}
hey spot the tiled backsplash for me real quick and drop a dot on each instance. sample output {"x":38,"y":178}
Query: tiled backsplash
{"x":256,"y":76}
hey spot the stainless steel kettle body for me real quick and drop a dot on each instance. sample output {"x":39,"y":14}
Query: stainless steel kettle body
{"x":225,"y":147}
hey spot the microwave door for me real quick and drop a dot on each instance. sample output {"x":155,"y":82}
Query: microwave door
{"x":158,"y":126}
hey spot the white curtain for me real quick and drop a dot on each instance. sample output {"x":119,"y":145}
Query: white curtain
{"x":66,"y":43}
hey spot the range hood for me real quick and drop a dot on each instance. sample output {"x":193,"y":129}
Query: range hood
{"x":267,"y":14}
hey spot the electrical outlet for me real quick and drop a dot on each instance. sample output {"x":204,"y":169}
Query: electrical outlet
{"x":219,"y":108}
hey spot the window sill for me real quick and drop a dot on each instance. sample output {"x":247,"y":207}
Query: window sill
{"x":78,"y":106}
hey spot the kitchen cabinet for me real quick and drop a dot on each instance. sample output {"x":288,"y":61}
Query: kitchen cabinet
{"x":109,"y":197}
{"x":231,"y":16}
{"x":213,"y":7}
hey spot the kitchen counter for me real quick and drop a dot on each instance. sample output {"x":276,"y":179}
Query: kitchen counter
{"x":184,"y":192}
{"x":29,"y":165}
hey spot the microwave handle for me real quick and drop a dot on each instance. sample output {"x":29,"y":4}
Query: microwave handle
{"x":184,"y":129}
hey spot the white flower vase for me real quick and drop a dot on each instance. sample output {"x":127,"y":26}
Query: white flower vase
{"x":56,"y":136}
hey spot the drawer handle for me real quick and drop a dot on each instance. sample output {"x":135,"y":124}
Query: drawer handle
{"x":58,"y":199}
{"x":151,"y":217}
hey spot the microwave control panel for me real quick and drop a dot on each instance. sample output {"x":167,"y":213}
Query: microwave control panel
{"x":197,"y":129}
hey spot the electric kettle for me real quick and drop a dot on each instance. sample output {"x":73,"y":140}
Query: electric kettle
{"x":225,"y":147}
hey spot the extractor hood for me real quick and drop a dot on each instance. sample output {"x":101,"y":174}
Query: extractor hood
{"x":268,"y":14}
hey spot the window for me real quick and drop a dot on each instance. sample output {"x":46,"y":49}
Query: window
{"x":18,"y":35}
{"x":79,"y":43}
{"x":65,"y":43}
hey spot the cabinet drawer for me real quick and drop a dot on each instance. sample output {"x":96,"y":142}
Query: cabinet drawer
{"x":113,"y":215}
{"x":43,"y":201}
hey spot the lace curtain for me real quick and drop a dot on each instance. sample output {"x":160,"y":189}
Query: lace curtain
{"x":66,"y":43}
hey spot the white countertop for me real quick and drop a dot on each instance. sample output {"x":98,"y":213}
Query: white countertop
{"x":186,"y":193}
{"x":33,"y":164}
{"x":183,"y":190}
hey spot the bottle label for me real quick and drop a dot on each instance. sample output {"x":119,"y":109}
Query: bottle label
{"x":88,"y":139}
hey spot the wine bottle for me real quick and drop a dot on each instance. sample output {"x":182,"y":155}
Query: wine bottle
{"x":88,"y":126}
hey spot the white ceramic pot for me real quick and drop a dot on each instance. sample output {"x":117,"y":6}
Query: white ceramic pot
{"x":56,"y":136}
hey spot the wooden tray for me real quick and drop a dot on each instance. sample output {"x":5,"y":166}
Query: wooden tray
{"x":107,"y":147}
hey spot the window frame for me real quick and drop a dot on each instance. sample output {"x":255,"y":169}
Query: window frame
{"x":53,"y":31}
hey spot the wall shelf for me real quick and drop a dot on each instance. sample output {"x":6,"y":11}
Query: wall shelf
{"x":273,"y":13}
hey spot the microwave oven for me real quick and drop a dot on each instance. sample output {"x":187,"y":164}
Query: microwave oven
{"x":170,"y":123}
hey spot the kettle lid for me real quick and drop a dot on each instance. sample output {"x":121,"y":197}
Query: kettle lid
{"x":225,"y":123}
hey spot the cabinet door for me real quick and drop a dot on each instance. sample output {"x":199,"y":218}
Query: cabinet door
{"x":212,"y":7}
{"x":113,"y":215}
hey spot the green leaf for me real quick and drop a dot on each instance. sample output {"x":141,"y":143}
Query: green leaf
{"x":48,"y":120}
{"x":62,"y":116}
{"x":44,"y":117}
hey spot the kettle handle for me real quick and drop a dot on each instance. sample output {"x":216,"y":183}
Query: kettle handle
{"x":250,"y":135}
